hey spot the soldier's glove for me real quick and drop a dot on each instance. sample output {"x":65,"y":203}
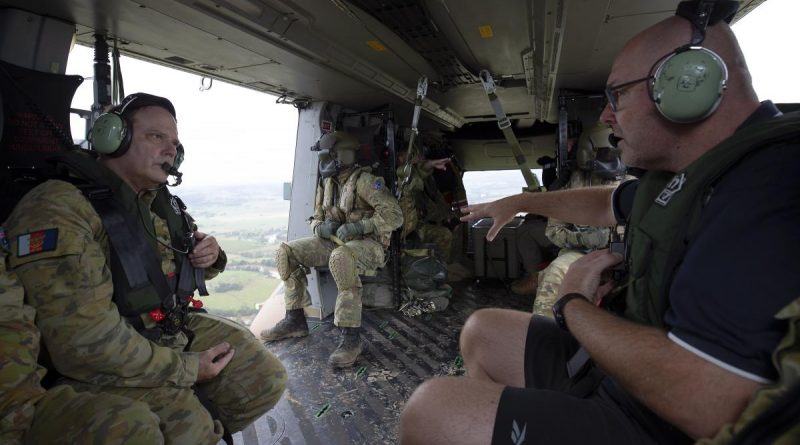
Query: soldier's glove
{"x":349,"y":231}
{"x":326,"y":229}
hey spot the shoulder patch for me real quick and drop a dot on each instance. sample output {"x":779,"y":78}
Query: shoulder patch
{"x":378,"y":184}
{"x":37,"y":242}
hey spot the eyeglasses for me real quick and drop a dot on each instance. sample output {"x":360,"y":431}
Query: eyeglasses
{"x":612,"y":92}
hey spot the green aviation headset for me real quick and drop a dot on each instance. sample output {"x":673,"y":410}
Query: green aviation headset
{"x":687,"y":84}
{"x":112,"y":132}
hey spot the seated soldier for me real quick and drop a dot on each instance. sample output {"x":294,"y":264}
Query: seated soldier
{"x":597,"y":164}
{"x":29,"y":414}
{"x":110,"y":261}
{"x":425,"y":210}
{"x":354,"y":216}
{"x":533,"y":246}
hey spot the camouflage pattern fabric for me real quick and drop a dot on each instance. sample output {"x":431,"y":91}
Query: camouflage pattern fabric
{"x":66,"y":417}
{"x":550,"y":281}
{"x":20,"y":374}
{"x":440,"y":236}
{"x":69,"y":284}
{"x":423,"y":213}
{"x":577,"y":237}
{"x":786,"y":358}
{"x":345,"y":262}
{"x":356,"y":195}
{"x":574,"y":241}
{"x":361,"y":197}
{"x":28,"y":414}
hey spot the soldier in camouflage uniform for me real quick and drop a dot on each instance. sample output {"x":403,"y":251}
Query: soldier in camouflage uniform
{"x":60,"y":251}
{"x":354,"y":216}
{"x":574,"y":240}
{"x":23,"y":401}
{"x":425,"y":210}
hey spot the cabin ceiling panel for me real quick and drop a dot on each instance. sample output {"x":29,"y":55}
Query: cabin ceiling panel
{"x":491,"y":35}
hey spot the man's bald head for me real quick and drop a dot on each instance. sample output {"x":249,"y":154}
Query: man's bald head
{"x":654,"y":43}
{"x":648,"y":139}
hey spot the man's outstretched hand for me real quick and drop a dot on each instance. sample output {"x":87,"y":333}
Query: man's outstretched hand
{"x":501,"y":211}
{"x":214,"y":360}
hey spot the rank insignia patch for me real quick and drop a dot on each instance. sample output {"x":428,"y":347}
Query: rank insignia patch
{"x":37,"y":242}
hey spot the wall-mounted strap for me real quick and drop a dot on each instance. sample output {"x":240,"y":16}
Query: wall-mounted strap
{"x":505,"y":126}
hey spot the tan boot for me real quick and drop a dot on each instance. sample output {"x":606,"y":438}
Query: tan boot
{"x":349,"y":349}
{"x":294,"y":325}
{"x":525,"y":286}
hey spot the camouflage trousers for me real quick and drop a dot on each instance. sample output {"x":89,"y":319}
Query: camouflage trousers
{"x":346,"y":263}
{"x":64,"y":416}
{"x":550,"y":281}
{"x":531,"y":243}
{"x":247,"y":387}
{"x":440,"y":236}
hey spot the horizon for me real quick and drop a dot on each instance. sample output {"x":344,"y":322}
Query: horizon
{"x":220,"y":126}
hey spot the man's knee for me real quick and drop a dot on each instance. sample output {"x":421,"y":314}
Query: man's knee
{"x":422,"y":410}
{"x":476,"y":329}
{"x":283,"y":261}
{"x":342,"y":264}
{"x":251,"y":384}
{"x":263,"y":377}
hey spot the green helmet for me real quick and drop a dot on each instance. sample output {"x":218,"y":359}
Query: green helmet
{"x":337,"y":152}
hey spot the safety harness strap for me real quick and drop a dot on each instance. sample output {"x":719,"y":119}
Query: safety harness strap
{"x":422,"y":90}
{"x":505,"y":126}
{"x":129,"y":245}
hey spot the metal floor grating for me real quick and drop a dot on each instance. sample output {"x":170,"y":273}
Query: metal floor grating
{"x":362,"y":404}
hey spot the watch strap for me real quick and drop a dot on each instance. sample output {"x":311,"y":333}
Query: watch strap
{"x":558,"y":308}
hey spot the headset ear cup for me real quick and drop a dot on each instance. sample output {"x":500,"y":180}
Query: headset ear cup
{"x":110,"y":135}
{"x":688,"y":85}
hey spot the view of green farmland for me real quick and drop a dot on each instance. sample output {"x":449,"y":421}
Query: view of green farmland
{"x":249,"y":223}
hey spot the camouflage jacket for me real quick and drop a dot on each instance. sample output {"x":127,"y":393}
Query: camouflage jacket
{"x":577,"y":237}
{"x":20,"y":374}
{"x":60,"y":252}
{"x":355,"y":196}
{"x":421,"y":201}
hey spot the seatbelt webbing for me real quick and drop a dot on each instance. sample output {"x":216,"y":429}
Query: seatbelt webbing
{"x":422,"y":91}
{"x":136,"y":256}
{"x":505,"y":126}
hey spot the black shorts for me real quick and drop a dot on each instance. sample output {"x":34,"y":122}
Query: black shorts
{"x":552,"y":408}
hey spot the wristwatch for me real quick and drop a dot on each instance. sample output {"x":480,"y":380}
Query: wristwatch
{"x":558,"y":307}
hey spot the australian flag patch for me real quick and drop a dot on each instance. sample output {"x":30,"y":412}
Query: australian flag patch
{"x":378,"y":184}
{"x":37,"y":242}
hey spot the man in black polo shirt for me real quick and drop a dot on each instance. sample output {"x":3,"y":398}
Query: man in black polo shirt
{"x":712,"y":233}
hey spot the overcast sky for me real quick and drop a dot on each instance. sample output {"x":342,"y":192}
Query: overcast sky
{"x":234,"y":135}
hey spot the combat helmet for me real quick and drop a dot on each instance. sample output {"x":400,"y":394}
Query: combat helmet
{"x":337,"y":152}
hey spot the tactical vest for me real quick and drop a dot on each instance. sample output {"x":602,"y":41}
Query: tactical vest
{"x":667,"y":210}
{"x":139,"y":282}
{"x":339,"y":201}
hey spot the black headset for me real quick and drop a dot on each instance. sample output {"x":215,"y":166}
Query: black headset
{"x":687,"y":84}
{"x":112,"y":132}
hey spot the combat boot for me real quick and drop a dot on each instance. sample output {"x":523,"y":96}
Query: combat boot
{"x":293,"y":325}
{"x":350,"y":346}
